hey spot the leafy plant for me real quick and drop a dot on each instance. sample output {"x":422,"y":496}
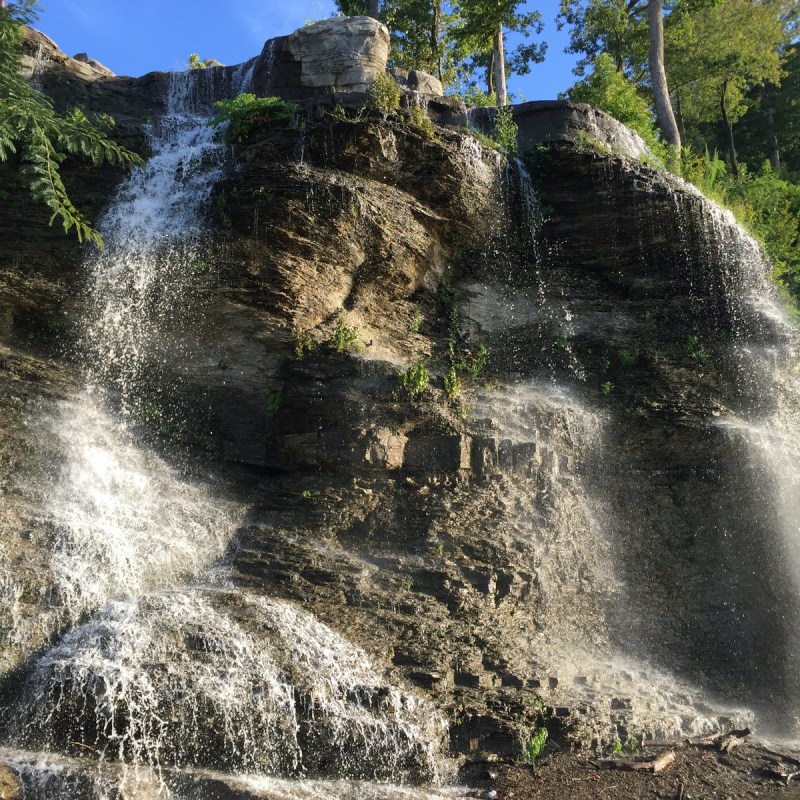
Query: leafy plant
{"x":416,"y":321}
{"x":696,"y":349}
{"x":340,"y":114}
{"x":416,"y":378}
{"x":195,"y":62}
{"x":384,"y":94}
{"x":534,"y":746}
{"x":473,"y":365}
{"x":485,"y":140}
{"x":630,"y":747}
{"x":445,"y":290}
{"x":303,"y":345}
{"x":607,"y":388}
{"x":420,"y":120}
{"x":30,"y":126}
{"x":452,"y":383}
{"x":344,"y":337}
{"x":221,"y":202}
{"x":628,"y":357}
{"x":274,"y":400}
{"x":505,"y":129}
{"x":242,"y":113}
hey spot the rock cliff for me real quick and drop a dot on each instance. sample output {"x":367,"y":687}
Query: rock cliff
{"x":564,"y":514}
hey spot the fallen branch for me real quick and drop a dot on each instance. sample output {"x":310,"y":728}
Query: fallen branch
{"x":788,"y":759}
{"x":709,"y":740}
{"x":656,"y":764}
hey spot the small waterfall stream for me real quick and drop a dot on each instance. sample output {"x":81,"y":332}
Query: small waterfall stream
{"x":161,"y":668}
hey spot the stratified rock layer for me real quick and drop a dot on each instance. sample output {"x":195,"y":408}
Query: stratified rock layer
{"x":557,"y":525}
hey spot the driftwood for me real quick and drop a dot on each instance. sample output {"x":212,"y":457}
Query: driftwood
{"x":722,"y":741}
{"x":788,"y":759}
{"x":657,"y":764}
{"x":733,"y":739}
{"x":776,"y":775}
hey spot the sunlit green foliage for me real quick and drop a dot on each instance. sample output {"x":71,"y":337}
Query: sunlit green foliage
{"x":608,"y":89}
{"x":415,"y":378}
{"x":384,"y":94}
{"x":41,"y":138}
{"x":246,"y":111}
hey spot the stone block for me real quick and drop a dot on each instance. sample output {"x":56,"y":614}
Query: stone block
{"x":524,"y":458}
{"x":484,"y":455}
{"x":505,"y":456}
{"x":437,"y":453}
{"x":346,"y":52}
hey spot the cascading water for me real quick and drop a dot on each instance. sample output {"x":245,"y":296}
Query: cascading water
{"x":696,"y":512}
{"x":163,"y":679}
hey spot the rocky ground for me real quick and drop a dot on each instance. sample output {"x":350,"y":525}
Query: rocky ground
{"x":697,"y":773}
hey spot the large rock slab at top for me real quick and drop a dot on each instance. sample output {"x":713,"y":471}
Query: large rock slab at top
{"x":341,"y":54}
{"x":548,"y":121}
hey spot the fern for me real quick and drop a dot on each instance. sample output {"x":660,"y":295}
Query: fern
{"x":31,"y":128}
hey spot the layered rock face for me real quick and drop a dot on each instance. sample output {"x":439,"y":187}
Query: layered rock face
{"x":493,"y":422}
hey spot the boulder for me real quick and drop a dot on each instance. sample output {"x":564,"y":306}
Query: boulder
{"x":547,"y":121}
{"x":424,"y":83}
{"x":342,"y":54}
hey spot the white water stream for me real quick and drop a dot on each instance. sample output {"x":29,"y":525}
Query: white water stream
{"x":168,"y":673}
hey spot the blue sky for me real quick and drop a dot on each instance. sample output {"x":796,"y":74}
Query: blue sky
{"x":132,"y":37}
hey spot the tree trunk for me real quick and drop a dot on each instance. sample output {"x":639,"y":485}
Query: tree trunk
{"x":723,"y":104}
{"x":679,"y":109}
{"x":499,"y":65}
{"x":773,"y":153}
{"x":437,"y":56}
{"x":658,"y":76}
{"x":372,"y":8}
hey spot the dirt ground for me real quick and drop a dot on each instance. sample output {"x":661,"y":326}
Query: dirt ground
{"x":697,"y":773}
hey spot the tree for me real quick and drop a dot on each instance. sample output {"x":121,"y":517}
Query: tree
{"x":618,"y":27}
{"x":658,"y":74}
{"x":733,"y":48}
{"x":608,"y":89}
{"x":480,"y":31}
{"x":42,"y":138}
{"x":419,"y":31}
{"x":421,"y":36}
{"x":615,"y":27}
{"x":358,"y":8}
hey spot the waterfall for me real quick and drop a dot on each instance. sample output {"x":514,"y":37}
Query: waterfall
{"x":161,"y":667}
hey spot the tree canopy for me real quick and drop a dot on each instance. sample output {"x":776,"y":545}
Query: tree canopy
{"x":454,"y":40}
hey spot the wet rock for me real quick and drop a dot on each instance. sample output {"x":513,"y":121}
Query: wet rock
{"x":10,"y":787}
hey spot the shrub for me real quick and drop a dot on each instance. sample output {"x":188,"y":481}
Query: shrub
{"x":384,"y":94}
{"x":344,"y":337}
{"x":420,"y":120}
{"x":505,"y":129}
{"x":475,"y":96}
{"x":415,"y":378}
{"x":610,"y":91}
{"x":247,"y":110}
